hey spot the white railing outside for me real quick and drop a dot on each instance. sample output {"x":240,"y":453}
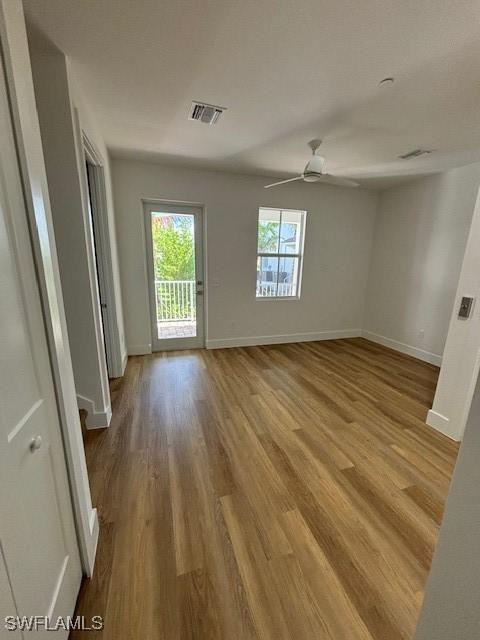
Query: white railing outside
{"x":175,"y":300}
{"x":269,"y":289}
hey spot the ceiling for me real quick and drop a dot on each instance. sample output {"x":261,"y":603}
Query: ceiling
{"x":287,"y":71}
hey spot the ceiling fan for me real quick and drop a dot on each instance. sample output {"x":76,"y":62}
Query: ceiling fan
{"x":313,"y":172}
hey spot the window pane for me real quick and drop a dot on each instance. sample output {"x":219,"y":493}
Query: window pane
{"x":173,"y":245}
{"x":290,"y":232}
{"x":287,"y":277}
{"x":267,"y":270}
{"x":268,"y":230}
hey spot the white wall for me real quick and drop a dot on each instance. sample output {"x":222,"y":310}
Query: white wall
{"x":63,"y":118}
{"x":89,"y":126}
{"x":339,"y":232}
{"x":451,"y":606}
{"x":420,"y":237}
{"x":461,"y":360}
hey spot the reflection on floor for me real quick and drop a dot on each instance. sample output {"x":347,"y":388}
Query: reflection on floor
{"x":177,"y":329}
{"x":275,"y":492}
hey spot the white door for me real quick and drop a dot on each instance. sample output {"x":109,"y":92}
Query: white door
{"x":175,"y":270}
{"x":37,"y":534}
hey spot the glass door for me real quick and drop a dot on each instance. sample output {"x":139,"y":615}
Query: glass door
{"x":175,"y":270}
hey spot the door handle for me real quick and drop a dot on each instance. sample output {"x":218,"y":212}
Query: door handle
{"x":35,"y":443}
{"x":199,"y":292}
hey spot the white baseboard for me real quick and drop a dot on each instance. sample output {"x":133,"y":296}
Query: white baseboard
{"x":139,"y":349}
{"x":95,"y":419}
{"x":91,"y":551}
{"x":221,"y":343}
{"x":124,"y":361}
{"x":426,"y":356}
{"x":441,"y":423}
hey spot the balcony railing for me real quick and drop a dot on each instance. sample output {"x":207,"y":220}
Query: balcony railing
{"x":175,"y":300}
{"x":269,"y":289}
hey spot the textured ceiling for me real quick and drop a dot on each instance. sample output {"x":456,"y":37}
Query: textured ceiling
{"x":288,"y":71}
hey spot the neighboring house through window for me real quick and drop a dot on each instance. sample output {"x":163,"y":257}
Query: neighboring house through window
{"x":281,"y":235}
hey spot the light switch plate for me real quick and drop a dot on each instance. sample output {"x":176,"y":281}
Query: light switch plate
{"x":465,"y":307}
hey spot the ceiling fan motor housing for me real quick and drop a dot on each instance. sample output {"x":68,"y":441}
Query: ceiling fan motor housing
{"x":314,"y":166}
{"x":311,"y":176}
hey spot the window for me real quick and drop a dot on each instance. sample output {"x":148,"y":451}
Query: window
{"x":279,"y":252}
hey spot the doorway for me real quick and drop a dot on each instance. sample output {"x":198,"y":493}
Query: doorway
{"x":96,"y":201}
{"x":175,"y":273}
{"x":90,"y":170}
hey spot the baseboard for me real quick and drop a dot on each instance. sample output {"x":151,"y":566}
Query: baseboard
{"x":441,"y":423}
{"x":124,"y":361}
{"x":426,"y":356}
{"x":139,"y":349}
{"x":91,"y":551}
{"x":95,"y":419}
{"x":222,"y":343}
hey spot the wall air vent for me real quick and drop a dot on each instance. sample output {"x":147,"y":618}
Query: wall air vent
{"x":415,"y":153}
{"x":206,"y":113}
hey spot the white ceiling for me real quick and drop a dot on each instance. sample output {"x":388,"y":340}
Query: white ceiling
{"x":287,"y":70}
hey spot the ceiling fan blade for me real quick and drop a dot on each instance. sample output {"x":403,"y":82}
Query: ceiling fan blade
{"x":275,"y":184}
{"x":341,"y":182}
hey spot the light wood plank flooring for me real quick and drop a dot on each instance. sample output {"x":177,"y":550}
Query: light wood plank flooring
{"x":288,"y":491}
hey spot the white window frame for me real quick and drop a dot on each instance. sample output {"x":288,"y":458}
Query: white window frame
{"x":299,"y":255}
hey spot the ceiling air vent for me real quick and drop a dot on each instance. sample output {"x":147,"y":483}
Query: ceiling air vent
{"x":415,"y":153}
{"x":206,"y":113}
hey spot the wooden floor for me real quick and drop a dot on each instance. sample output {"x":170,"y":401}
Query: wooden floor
{"x":288,"y":491}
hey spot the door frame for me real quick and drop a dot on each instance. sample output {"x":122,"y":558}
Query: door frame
{"x":101,"y":247}
{"x":33,"y":418}
{"x":21,"y":96}
{"x":189,"y":208}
